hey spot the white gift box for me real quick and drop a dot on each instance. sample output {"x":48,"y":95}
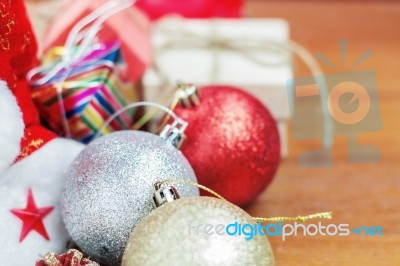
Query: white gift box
{"x":247,"y":53}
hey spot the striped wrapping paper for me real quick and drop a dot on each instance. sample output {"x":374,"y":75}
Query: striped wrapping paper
{"x":94,"y":89}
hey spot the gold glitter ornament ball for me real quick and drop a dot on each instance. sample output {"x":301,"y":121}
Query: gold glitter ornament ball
{"x":109,"y":188}
{"x":191,"y":231}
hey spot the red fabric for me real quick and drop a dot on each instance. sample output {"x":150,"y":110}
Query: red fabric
{"x":17,"y":42}
{"x":30,"y":114}
{"x":34,"y":137}
{"x":18,"y":55}
{"x":229,"y":8}
{"x":156,"y":9}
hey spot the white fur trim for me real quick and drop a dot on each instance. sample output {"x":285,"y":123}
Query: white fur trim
{"x":11,"y":127}
{"x":43,"y":171}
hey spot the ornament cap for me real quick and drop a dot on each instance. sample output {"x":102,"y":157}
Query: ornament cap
{"x":188,"y":94}
{"x":164,"y":193}
{"x":174,"y":134}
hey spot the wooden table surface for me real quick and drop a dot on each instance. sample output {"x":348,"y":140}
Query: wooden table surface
{"x":357,"y":193}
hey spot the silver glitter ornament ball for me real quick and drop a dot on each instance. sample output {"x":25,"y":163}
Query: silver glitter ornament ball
{"x":109,"y":189}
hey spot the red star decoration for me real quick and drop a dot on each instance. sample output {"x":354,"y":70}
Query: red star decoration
{"x":32,"y":218}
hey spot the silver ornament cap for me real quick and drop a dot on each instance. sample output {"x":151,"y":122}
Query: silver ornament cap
{"x":164,"y":193}
{"x":174,"y":134}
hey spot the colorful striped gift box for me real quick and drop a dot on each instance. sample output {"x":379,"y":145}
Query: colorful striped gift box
{"x":95,"y":88}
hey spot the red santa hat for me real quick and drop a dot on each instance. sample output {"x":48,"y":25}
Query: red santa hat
{"x":18,"y":140}
{"x":20,"y":131}
{"x":32,"y":160}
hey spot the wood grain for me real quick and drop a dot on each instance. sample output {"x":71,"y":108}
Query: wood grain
{"x":357,"y":193}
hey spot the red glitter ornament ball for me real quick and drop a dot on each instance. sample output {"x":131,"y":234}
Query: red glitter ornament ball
{"x":232,"y":142}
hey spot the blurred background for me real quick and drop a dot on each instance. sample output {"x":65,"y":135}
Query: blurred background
{"x":358,"y":193}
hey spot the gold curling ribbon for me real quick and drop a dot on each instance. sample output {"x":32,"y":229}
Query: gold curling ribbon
{"x":299,"y":218}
